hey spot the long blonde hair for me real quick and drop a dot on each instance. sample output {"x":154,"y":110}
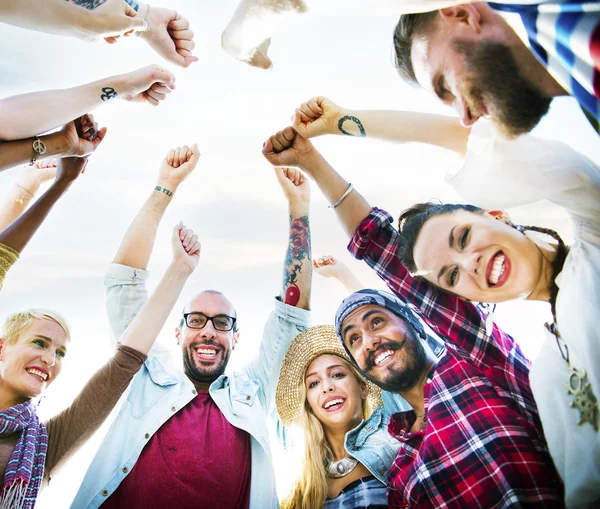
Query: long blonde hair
{"x":312,"y":487}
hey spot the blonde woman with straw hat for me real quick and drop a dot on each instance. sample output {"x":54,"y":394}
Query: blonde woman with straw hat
{"x":348,"y":451}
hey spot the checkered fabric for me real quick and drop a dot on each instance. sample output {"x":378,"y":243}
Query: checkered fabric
{"x":483,"y":445}
{"x":565,"y":36}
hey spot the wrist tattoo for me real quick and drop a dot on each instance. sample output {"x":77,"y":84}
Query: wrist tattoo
{"x":90,"y":5}
{"x":298,"y":254}
{"x":164,"y":190}
{"x":109,"y":93}
{"x":356,"y":121}
{"x":133,"y":4}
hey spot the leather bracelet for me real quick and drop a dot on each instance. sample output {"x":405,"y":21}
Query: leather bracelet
{"x":344,"y":196}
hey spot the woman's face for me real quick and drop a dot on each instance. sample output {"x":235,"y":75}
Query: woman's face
{"x":334,"y":394}
{"x":477,"y":256}
{"x":34,"y":360}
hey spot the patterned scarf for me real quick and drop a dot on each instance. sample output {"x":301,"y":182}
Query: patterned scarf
{"x":25,"y":469}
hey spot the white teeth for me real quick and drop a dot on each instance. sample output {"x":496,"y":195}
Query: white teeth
{"x":333,"y":402}
{"x":37,"y":372}
{"x":206,"y":351}
{"x":383,"y":356}
{"x":497,"y":269}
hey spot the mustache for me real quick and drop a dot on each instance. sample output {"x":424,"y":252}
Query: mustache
{"x":197,"y":344}
{"x":389,"y":345}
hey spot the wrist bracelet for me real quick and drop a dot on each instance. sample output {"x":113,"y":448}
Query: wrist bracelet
{"x":39,"y":148}
{"x":344,"y":196}
{"x":20,"y":199}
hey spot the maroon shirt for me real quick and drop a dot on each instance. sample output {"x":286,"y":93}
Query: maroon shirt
{"x":197,"y":459}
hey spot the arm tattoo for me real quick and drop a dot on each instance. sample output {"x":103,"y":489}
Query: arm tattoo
{"x":356,"y":121}
{"x":90,"y":5}
{"x":164,"y":190}
{"x":109,"y":93}
{"x":133,"y":4}
{"x":298,"y":251}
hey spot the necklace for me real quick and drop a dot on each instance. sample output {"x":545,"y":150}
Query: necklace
{"x":341,"y":468}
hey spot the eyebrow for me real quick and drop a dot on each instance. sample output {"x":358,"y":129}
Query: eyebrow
{"x":308,"y":375}
{"x":364,"y":318}
{"x":451,"y":244}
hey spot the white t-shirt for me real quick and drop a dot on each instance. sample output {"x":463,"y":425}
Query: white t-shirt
{"x":500,"y":174}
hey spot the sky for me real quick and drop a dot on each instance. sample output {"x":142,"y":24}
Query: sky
{"x":232,"y":199}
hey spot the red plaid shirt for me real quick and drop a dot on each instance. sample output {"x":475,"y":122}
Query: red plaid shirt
{"x":483,"y":446}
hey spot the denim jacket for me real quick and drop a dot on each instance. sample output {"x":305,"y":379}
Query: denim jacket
{"x":160,"y":389}
{"x":371,"y":444}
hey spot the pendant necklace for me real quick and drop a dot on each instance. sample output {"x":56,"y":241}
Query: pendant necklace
{"x":341,"y":468}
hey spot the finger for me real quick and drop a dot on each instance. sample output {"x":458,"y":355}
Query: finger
{"x":175,"y":235}
{"x":195,"y":155}
{"x":314,"y":107}
{"x":163,"y":77}
{"x":188,"y":238}
{"x":159,"y":88}
{"x":195,"y":249}
{"x":289,"y":134}
{"x":149,"y":99}
{"x":304,"y":117}
{"x":185,"y":44}
{"x":316,"y":264}
{"x":180,"y":23}
{"x":193,"y":241}
{"x":182,"y":233}
{"x":276,"y":142}
{"x":170,"y":157}
{"x":184,"y":53}
{"x":177,"y":35}
{"x":99,"y":137}
{"x":155,"y":95}
{"x":183,"y":151}
{"x":112,"y":40}
{"x":305,"y":108}
{"x":177,"y":158}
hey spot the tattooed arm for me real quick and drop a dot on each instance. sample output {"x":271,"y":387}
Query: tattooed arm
{"x":26,"y":115}
{"x":297,"y":269}
{"x":320,"y":116}
{"x":85,"y":19}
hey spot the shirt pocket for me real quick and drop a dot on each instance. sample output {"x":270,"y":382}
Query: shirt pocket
{"x":149,"y":387}
{"x":246,"y":392}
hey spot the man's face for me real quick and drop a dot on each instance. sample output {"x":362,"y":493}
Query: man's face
{"x":206,"y":351}
{"x":479,"y":77}
{"x":384,"y":347}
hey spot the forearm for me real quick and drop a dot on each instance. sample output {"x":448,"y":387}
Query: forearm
{"x":350,"y":281}
{"x":19,"y":233}
{"x":405,"y":126}
{"x":297,"y":270}
{"x":14,"y":153}
{"x":136,"y":246}
{"x":145,"y":327}
{"x":26,"y":115}
{"x":353,"y":209}
{"x":17,"y":199}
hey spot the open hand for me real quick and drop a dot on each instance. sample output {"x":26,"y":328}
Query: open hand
{"x":287,"y":148}
{"x":82,"y":136}
{"x":186,"y":247}
{"x":149,"y":84}
{"x":294,"y":184}
{"x":316,"y":117}
{"x":170,"y":36}
{"x":177,"y":165}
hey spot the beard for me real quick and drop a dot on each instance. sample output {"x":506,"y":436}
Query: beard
{"x":403,"y":375}
{"x":517,"y":106}
{"x":204,"y":372}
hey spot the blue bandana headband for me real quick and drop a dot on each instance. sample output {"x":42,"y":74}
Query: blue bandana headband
{"x":379,"y":298}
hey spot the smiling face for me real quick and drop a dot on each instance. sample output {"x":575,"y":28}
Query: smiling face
{"x":477,"y":256}
{"x":385,"y":347}
{"x":206,"y":351}
{"x":333,"y":392}
{"x":33,"y":360}
{"x":470,"y":68}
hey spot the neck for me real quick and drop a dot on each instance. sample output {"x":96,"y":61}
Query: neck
{"x":8,"y":398}
{"x":336,"y":438}
{"x":546,"y":280}
{"x":201,"y":386}
{"x":415,"y":396}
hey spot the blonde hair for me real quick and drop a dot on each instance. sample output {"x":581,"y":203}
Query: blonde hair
{"x":312,"y":487}
{"x":18,"y":322}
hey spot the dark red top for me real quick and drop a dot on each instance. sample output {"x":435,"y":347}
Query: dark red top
{"x":195,"y":460}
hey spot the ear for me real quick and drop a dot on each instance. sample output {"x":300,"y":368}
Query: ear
{"x":501,"y":215}
{"x":236,"y":338}
{"x":178,"y":335}
{"x":465,"y":15}
{"x":364,"y":391}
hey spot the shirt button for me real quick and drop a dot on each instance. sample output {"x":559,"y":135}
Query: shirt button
{"x":147,"y":436}
{"x":173,"y":409}
{"x":247,"y":398}
{"x":104,"y":493}
{"x":125,"y":470}
{"x":369,"y":427}
{"x":194,"y":391}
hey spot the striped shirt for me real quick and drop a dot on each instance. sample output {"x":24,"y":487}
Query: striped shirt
{"x":483,"y":445}
{"x":364,"y":493}
{"x":565,"y":37}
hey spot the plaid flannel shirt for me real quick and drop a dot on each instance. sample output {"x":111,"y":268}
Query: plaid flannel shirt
{"x":483,"y":445}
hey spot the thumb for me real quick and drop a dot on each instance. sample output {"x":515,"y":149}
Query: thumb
{"x":300,"y":127}
{"x":175,"y":234}
{"x":136,"y":22}
{"x":99,"y":137}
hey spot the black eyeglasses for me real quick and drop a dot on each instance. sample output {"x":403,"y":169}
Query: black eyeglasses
{"x":198,"y":321}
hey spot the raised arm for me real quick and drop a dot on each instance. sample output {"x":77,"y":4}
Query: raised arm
{"x":289,"y":148}
{"x":136,"y":246}
{"x":320,"y":116}
{"x":76,"y":139}
{"x":26,"y":115}
{"x":328,"y":266}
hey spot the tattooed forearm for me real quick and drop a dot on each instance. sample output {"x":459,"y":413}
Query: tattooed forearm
{"x":297,"y":261}
{"x":133,"y":4}
{"x":164,"y":190}
{"x":356,"y":121}
{"x":90,"y":5}
{"x":109,"y":93}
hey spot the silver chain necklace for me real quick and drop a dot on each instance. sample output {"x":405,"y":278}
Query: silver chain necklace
{"x":341,"y":468}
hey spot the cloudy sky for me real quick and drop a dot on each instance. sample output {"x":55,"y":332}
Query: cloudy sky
{"x":232,"y":199}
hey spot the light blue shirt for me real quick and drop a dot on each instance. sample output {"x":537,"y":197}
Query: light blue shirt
{"x":246,"y":397}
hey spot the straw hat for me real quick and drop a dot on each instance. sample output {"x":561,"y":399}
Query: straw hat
{"x":306,"y":346}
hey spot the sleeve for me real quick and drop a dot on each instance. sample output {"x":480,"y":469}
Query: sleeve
{"x":68,"y":430}
{"x":397,"y":7}
{"x":8,"y":257}
{"x":126,"y":293}
{"x":283,"y":325}
{"x":455,"y":320}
